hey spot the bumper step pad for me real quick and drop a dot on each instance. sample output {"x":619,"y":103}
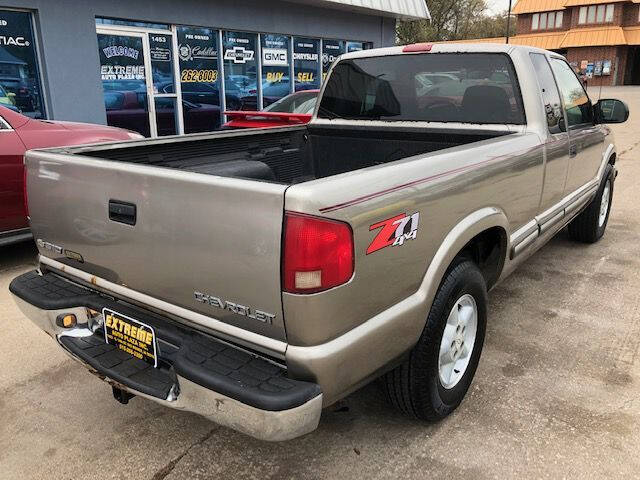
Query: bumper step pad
{"x":112,"y":362}
{"x":182,"y":352}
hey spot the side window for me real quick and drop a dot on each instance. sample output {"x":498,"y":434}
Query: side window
{"x":550,"y":95}
{"x":576,"y":102}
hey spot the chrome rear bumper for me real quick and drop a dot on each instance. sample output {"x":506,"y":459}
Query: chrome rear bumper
{"x":189,"y":396}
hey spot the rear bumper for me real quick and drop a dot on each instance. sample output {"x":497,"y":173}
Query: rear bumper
{"x":196,"y":373}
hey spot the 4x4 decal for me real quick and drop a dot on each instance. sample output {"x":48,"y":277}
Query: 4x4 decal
{"x":394,"y":231}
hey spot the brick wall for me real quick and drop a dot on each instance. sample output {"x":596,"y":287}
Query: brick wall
{"x":617,"y":55}
{"x":630,"y":14}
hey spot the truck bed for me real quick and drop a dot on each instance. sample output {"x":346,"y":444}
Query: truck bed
{"x":288,"y":155}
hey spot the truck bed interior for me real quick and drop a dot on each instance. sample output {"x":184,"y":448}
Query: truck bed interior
{"x":290,"y":155}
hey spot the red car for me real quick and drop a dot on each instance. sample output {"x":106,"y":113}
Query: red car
{"x":18,"y":134}
{"x":294,"y":109}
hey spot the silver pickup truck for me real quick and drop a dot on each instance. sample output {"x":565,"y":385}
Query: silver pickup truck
{"x":255,"y":277}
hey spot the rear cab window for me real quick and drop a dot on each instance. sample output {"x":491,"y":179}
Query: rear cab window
{"x":436,"y":87}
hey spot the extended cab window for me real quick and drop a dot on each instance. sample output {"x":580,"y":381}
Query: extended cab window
{"x":576,"y":102}
{"x":549,"y":90}
{"x":435,"y":87}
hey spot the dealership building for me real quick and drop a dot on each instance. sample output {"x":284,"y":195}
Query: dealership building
{"x":600,"y":38}
{"x":163,"y":67}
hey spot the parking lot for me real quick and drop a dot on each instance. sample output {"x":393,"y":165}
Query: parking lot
{"x":556,"y":394}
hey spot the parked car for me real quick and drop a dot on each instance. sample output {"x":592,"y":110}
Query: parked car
{"x":129,"y":110}
{"x":271,"y":92}
{"x":205,"y":93}
{"x":294,"y":109}
{"x":19,"y":133}
{"x":255,"y":277}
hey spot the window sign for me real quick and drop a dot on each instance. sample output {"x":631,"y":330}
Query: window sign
{"x":19,"y":76}
{"x":199,"y":78}
{"x":355,"y":46}
{"x":331,"y":50}
{"x":161,"y":61}
{"x":124,"y":82}
{"x":306,"y":63}
{"x":276,"y":81}
{"x":240,"y":70}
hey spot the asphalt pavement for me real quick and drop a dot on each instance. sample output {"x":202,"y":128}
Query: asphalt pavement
{"x":556,"y":395}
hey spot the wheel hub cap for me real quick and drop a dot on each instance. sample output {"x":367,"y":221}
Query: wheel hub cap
{"x":458,"y":340}
{"x":604,"y":203}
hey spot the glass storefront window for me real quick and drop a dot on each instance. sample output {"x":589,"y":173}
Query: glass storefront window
{"x":19,"y":75}
{"x":306,"y":63}
{"x":355,"y":46}
{"x":240,"y":70}
{"x":124,"y":81}
{"x":161,"y":61}
{"x":276,"y":81}
{"x":331,"y":50}
{"x":199,"y":78}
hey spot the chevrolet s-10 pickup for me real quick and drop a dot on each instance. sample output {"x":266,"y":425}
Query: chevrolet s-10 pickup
{"x":255,"y":277}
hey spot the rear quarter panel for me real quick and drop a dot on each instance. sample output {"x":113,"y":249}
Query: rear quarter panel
{"x":503,"y":173}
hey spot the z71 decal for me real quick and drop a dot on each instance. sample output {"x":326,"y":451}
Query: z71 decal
{"x":394,"y":231}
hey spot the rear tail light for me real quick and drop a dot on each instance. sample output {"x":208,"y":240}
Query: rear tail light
{"x":318,"y":253}
{"x":24,"y":190}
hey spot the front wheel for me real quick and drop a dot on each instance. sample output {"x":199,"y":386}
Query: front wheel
{"x":589,"y":226}
{"x":432,"y":382}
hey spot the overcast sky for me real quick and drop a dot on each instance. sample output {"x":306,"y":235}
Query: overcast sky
{"x":497,"y":6}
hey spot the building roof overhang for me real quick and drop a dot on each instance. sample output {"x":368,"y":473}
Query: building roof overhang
{"x":405,"y":9}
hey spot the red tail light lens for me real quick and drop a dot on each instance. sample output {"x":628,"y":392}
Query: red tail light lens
{"x":24,"y":190}
{"x":318,"y":253}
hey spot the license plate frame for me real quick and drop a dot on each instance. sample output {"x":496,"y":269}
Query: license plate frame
{"x":114,"y":334}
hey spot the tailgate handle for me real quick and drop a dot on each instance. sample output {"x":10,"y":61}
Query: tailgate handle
{"x":122,"y":212}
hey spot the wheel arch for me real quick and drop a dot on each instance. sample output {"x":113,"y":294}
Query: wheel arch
{"x":483,"y":237}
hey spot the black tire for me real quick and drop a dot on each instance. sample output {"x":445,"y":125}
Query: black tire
{"x":586,"y":227}
{"x":415,"y":387}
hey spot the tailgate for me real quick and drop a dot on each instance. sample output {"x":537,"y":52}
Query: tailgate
{"x":204,"y":243}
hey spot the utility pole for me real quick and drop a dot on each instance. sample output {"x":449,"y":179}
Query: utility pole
{"x":508,"y":21}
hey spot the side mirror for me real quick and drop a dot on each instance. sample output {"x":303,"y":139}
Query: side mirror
{"x":609,"y":110}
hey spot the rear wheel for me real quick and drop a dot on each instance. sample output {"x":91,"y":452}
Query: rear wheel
{"x":432,"y":382}
{"x":589,"y":226}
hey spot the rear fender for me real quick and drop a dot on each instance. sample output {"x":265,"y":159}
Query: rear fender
{"x":345,"y":363}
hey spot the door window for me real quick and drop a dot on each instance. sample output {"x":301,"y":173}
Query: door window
{"x":19,"y":75}
{"x":576,"y":102}
{"x":124,"y":82}
{"x":550,"y":95}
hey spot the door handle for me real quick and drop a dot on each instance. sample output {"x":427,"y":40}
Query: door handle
{"x":122,"y":212}
{"x":573,"y":150}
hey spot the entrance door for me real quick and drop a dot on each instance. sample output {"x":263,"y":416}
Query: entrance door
{"x":138,"y":81}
